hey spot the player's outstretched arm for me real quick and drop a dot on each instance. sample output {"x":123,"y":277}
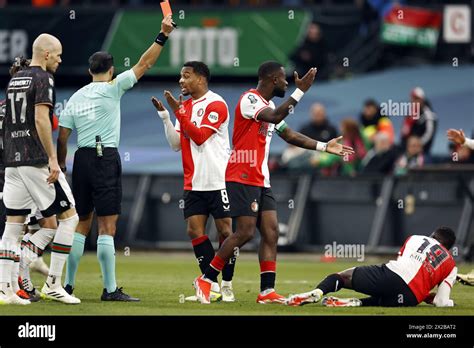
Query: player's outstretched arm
{"x":45,"y":133}
{"x":300,"y":140}
{"x":63,"y":137}
{"x":303,"y":85}
{"x":458,"y":137}
{"x":171,"y":134}
{"x":149,"y":58}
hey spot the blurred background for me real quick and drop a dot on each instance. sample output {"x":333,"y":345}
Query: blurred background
{"x":377,"y":60}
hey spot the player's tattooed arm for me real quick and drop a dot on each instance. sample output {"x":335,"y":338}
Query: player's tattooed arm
{"x":149,"y":58}
{"x":45,"y":133}
{"x":63,"y":137}
{"x":303,"y":85}
{"x":300,"y":140}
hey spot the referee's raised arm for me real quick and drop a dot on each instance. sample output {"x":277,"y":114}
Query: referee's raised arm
{"x":149,"y":58}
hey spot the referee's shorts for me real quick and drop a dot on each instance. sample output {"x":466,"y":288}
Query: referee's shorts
{"x":97,"y":181}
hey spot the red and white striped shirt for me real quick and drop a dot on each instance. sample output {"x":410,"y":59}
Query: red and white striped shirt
{"x":204,"y":165}
{"x":424,"y":263}
{"x":251,"y":139}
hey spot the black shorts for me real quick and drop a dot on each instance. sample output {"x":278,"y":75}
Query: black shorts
{"x":97,"y":182}
{"x":247,"y":200}
{"x":215,"y":203}
{"x":384,"y":285}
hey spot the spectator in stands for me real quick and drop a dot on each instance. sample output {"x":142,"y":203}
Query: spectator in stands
{"x":296,"y":158}
{"x":347,"y":165}
{"x":373,"y":122}
{"x":413,"y":156}
{"x":423,"y":123}
{"x":381,"y":158}
{"x":312,"y":52}
{"x":43,"y":3}
{"x":384,"y":6}
{"x":368,"y":15}
{"x":319,"y":127}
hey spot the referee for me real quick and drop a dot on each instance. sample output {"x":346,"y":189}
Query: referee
{"x":94,"y":111}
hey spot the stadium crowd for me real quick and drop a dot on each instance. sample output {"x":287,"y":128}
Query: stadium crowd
{"x":372,"y":135}
{"x":377,"y":5}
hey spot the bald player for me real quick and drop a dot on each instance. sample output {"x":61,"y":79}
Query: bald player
{"x":32,"y":173}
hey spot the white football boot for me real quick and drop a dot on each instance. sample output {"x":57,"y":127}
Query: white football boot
{"x":52,"y":290}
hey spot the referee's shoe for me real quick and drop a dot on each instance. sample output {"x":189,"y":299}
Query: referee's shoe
{"x":117,"y":295}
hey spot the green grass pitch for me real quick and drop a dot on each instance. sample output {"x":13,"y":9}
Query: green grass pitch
{"x":162,"y":279}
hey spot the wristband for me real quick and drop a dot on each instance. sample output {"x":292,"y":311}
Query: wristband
{"x":161,"y":39}
{"x":320,"y":146}
{"x":297,"y":94}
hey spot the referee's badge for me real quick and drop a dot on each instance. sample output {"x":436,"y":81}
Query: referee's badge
{"x":254,"y":206}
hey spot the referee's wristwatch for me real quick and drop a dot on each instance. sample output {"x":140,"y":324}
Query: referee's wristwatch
{"x":63,"y":169}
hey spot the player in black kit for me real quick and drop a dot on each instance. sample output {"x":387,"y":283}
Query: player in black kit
{"x":32,"y":173}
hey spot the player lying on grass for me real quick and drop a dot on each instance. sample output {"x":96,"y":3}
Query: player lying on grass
{"x":201,"y":133}
{"x":248,"y":177}
{"x":423,"y":263}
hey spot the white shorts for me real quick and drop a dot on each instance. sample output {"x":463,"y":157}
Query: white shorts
{"x":26,"y":186}
{"x":33,"y":219}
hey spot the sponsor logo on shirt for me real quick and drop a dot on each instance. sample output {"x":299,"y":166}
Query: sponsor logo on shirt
{"x":213,"y":117}
{"x":263,"y":130}
{"x":21,"y":133}
{"x":200,"y":112}
{"x":20,"y":83}
{"x":252,"y":99}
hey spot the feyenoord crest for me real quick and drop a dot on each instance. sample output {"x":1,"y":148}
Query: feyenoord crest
{"x":200,"y":112}
{"x":254,"y":206}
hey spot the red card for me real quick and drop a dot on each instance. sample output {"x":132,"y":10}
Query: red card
{"x":166,"y":8}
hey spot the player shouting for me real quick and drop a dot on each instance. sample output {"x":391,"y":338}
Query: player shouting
{"x":423,"y":263}
{"x":201,"y":133}
{"x":32,"y":174}
{"x":248,"y":181}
